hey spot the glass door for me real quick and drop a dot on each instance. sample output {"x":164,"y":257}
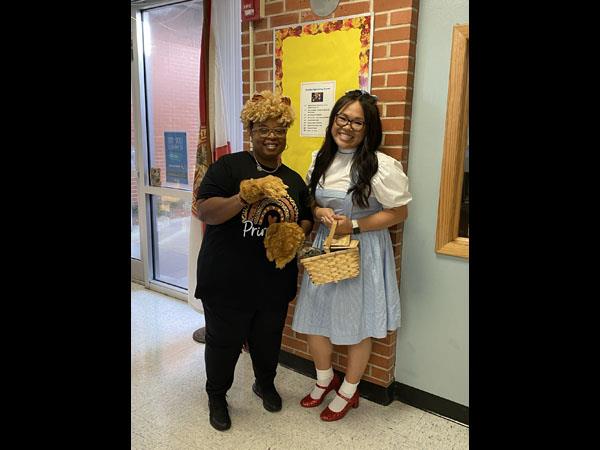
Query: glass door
{"x":165,"y":81}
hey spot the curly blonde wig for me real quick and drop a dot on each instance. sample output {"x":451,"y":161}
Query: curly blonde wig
{"x":267,"y":105}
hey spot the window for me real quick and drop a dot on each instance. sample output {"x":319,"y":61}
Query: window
{"x":452,"y":236}
{"x":166,"y":41}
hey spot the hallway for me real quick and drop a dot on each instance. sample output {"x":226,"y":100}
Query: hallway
{"x":169,"y":405}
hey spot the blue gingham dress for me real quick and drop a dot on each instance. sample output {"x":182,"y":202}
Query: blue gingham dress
{"x":365,"y":306}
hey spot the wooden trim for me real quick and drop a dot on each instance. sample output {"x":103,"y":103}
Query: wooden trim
{"x":447,"y":240}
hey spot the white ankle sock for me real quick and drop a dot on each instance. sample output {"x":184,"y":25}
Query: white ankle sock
{"x":347,"y":390}
{"x":324,"y":377}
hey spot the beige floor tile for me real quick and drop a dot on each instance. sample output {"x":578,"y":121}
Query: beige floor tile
{"x":170,"y":411}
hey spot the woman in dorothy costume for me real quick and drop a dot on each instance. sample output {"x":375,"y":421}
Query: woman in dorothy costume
{"x":366,"y":192}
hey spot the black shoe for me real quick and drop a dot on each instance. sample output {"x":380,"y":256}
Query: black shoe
{"x":271,"y":399}
{"x":218,"y":413}
{"x":200,"y":335}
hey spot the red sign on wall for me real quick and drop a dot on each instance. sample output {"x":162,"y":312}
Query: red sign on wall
{"x":251,"y":10}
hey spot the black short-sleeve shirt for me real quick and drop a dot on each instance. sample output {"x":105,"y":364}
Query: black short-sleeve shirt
{"x":233,"y":270}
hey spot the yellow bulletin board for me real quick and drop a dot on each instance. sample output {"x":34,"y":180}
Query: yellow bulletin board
{"x":334,"y":52}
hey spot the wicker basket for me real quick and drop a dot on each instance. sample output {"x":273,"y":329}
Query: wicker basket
{"x":335,"y":266}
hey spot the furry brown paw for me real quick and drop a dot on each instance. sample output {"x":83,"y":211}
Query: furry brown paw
{"x":282,"y":241}
{"x":253,"y":190}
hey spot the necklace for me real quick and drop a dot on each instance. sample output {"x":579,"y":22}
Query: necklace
{"x":260,"y":168}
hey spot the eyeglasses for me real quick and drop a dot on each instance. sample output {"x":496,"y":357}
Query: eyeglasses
{"x":355,"y":124}
{"x":264,"y":131}
{"x":362,"y":92}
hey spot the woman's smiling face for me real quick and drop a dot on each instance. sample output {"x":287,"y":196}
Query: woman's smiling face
{"x":268,"y":139}
{"x":345,"y":136}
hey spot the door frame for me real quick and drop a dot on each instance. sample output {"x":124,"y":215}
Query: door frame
{"x":143,"y":271}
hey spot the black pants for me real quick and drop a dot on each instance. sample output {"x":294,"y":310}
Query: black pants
{"x":226,"y":331}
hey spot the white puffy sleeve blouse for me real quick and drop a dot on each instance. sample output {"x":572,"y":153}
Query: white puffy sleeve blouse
{"x":389,"y":184}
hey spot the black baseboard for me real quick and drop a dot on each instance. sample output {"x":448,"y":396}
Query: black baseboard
{"x":431,"y":403}
{"x":384,"y":396}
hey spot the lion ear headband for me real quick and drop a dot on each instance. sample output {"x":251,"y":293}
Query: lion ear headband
{"x":258,"y":97}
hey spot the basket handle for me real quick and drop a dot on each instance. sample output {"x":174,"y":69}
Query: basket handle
{"x":327,"y":243}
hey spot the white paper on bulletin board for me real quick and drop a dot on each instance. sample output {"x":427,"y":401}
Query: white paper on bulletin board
{"x":336,"y":51}
{"x":316,"y":101}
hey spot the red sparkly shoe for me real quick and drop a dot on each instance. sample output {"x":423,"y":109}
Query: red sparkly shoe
{"x":329,"y":416}
{"x":334,"y":385}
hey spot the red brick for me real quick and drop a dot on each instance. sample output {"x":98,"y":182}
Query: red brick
{"x":284,"y":19}
{"x":262,"y":75}
{"x":386,"y":5}
{"x":263,"y":36}
{"x":378,"y":81}
{"x":245,"y":39}
{"x":296,"y":4}
{"x":397,"y":80}
{"x":342,"y":360}
{"x":380,"y":374}
{"x":288,"y":319}
{"x":393,"y":139}
{"x":261,"y":49}
{"x":402,"y":17}
{"x":382,"y":362}
{"x":396,"y":238}
{"x":245,"y":51}
{"x":381,"y":20}
{"x":300,"y":336}
{"x":392,"y":34}
{"x":293,"y":343}
{"x":273,"y":8}
{"x":390,"y":65}
{"x":287,"y":331}
{"x":399,"y":228}
{"x":381,"y":349}
{"x":390,"y":338}
{"x":402,"y":125}
{"x":393,"y":125}
{"x":395,"y":110}
{"x":245,"y":27}
{"x":390,"y":94}
{"x":245,"y":64}
{"x":380,"y":51}
{"x":402,"y":49}
{"x":263,"y":62}
{"x":266,"y":86}
{"x":261,"y":24}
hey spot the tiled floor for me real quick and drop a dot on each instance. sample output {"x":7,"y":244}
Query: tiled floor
{"x":169,"y":406}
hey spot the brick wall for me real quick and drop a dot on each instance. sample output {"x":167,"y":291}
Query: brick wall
{"x":394,"y":44}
